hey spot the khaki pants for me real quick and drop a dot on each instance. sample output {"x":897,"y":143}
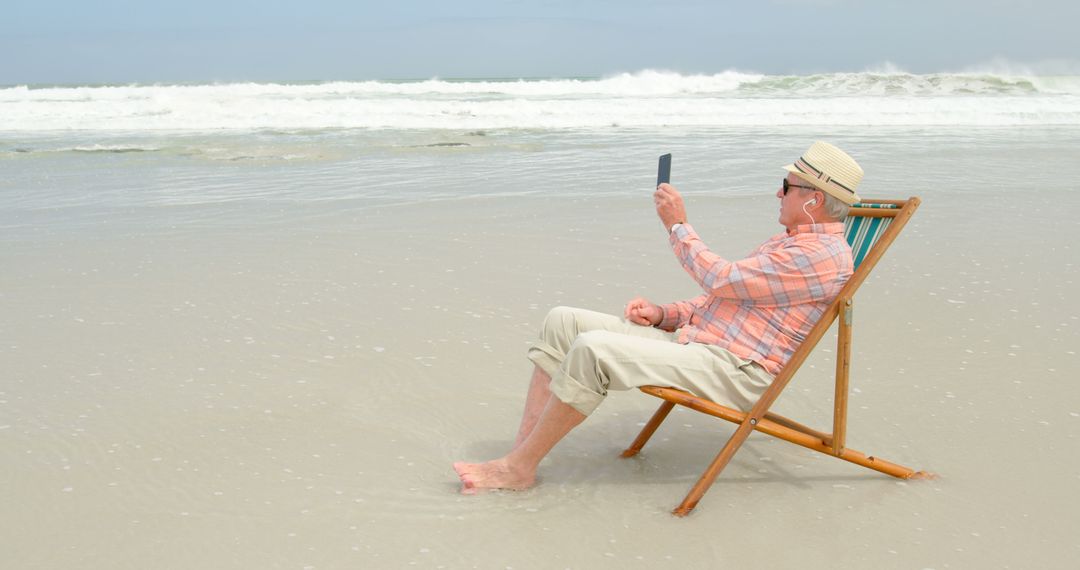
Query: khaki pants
{"x":588,"y":353}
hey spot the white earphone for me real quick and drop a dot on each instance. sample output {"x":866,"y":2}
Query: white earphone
{"x":810,"y":202}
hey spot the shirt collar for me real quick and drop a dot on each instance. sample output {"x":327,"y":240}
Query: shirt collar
{"x":834,"y":228}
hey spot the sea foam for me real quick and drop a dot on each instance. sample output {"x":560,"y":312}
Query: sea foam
{"x":643,"y":99}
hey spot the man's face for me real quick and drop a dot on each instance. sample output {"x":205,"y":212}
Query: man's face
{"x":791,"y":204}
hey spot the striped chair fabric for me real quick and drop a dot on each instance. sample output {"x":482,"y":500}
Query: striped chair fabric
{"x":862,"y":232}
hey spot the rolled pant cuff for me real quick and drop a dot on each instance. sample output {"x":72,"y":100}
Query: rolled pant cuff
{"x":574,"y":394}
{"x":547,"y":357}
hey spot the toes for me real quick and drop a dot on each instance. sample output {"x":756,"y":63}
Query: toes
{"x":464,"y":469}
{"x":460,"y":468}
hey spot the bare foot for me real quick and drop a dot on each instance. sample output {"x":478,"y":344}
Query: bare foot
{"x":495,"y":474}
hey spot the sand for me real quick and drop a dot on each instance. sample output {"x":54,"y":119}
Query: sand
{"x":293,"y":395}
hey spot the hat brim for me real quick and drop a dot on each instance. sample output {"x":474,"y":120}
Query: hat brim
{"x":848,"y":198}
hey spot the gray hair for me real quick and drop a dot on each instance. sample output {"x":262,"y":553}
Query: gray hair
{"x":834,"y":208}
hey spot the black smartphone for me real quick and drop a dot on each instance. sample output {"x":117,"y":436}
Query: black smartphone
{"x":663,"y":175}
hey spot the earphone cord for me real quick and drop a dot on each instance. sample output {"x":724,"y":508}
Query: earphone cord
{"x":812,"y":220}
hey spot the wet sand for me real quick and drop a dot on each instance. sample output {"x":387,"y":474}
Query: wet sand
{"x":292,"y":396}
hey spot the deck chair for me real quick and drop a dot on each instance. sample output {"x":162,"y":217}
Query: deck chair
{"x":870,"y":229}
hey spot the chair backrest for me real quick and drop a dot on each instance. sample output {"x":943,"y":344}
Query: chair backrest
{"x":862,"y":230}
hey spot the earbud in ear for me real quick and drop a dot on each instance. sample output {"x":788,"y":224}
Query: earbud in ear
{"x":810,"y":202}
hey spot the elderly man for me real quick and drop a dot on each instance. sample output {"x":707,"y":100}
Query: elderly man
{"x":726,"y":344}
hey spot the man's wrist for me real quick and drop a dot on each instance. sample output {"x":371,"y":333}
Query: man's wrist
{"x":672,"y":227}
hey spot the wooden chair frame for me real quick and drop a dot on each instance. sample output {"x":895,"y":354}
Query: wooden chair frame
{"x":759,"y":418}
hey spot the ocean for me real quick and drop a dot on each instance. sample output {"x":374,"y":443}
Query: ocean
{"x":644,"y":99}
{"x":252,"y":325}
{"x":181,"y":154}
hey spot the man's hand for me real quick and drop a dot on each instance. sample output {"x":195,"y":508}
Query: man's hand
{"x":641,"y":312}
{"x":669,"y":205}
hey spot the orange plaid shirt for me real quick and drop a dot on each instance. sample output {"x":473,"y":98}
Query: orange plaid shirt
{"x":762,"y":307}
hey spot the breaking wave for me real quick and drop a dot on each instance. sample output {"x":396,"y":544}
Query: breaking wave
{"x":642,"y":99}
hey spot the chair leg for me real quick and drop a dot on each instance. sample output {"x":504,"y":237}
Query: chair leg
{"x":717,"y":465}
{"x":647,"y":431}
{"x":793,"y":436}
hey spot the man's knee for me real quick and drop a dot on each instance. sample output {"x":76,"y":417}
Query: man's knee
{"x":558,"y":316}
{"x":593,"y":343}
{"x":561,"y":323}
{"x":589,"y":359}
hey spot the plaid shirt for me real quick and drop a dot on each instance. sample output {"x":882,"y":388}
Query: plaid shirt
{"x":762,"y":307}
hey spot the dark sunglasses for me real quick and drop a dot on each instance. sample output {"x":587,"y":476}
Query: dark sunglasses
{"x":789,"y":185}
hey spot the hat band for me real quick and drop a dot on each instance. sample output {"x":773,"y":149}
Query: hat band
{"x":809,"y":170}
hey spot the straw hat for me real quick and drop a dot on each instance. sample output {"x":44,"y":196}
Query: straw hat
{"x":829,"y":169}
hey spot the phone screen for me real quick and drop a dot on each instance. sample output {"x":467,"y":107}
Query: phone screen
{"x":663,"y":175}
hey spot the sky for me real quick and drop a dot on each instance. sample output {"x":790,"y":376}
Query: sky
{"x":125,"y":41}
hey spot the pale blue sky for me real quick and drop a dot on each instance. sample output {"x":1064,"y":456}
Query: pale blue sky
{"x":110,"y":41}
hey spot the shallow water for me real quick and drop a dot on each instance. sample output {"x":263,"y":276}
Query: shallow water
{"x":216,"y":361}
